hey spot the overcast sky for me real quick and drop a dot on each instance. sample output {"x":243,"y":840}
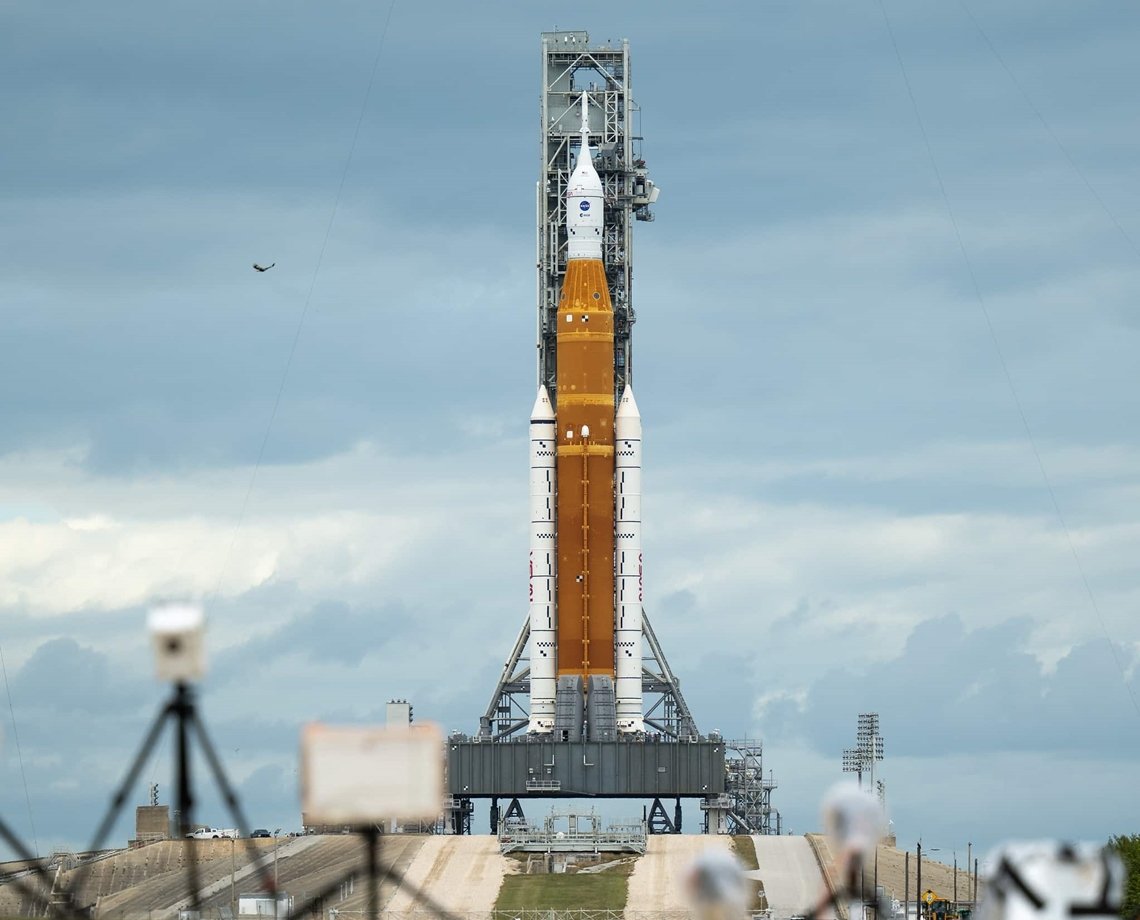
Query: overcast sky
{"x":885,"y":470}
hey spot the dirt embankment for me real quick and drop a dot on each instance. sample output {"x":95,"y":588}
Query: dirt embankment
{"x":893,"y":873}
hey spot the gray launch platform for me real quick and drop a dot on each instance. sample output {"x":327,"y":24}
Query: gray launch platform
{"x":597,"y":769}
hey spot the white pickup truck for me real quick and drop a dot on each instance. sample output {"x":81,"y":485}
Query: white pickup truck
{"x":213,"y":833}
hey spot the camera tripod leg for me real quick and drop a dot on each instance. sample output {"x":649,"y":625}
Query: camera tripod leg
{"x":259,"y":860}
{"x":119,"y":798}
{"x":132,"y":775}
{"x":183,"y":709}
{"x":372,"y":840}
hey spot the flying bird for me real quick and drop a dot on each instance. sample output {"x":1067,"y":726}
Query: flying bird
{"x":263,"y":268}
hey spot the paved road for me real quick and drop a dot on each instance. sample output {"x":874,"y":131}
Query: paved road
{"x":790,"y":873}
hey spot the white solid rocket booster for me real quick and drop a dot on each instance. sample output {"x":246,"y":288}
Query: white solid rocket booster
{"x":627,"y":553}
{"x":543,"y":636}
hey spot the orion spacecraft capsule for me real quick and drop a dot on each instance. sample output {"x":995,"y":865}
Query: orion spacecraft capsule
{"x":580,"y":627}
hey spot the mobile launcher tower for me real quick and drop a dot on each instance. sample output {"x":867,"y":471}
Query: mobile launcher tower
{"x":586,"y":704}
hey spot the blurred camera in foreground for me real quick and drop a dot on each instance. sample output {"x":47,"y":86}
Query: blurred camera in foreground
{"x":716,"y":887}
{"x":177,"y":636}
{"x":854,"y":820}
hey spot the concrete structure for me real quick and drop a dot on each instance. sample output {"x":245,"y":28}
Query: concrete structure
{"x":152,"y":823}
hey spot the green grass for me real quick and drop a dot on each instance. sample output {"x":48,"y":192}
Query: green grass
{"x":744,"y":847}
{"x":595,"y":891}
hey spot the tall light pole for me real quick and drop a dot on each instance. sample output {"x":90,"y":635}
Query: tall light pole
{"x":876,"y":882}
{"x":969,"y":857}
{"x":918,"y":882}
{"x":867,"y":751}
{"x":906,"y":886}
{"x":233,"y":889}
{"x":276,"y":888}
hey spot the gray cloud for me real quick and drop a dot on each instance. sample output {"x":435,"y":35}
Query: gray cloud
{"x":836,"y":470}
{"x":955,"y":690}
{"x":333,"y":632}
{"x":62,"y":675}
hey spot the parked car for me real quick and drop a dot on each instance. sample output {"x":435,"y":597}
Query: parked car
{"x":260,"y":832}
{"x":213,"y":833}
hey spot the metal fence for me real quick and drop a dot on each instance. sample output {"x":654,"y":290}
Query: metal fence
{"x":333,"y":913}
{"x":529,"y":914}
{"x":536,"y":914}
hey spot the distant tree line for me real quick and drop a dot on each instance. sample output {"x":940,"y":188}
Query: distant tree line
{"x":1128,"y":846}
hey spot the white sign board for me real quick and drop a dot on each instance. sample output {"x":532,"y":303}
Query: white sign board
{"x":363,"y":775}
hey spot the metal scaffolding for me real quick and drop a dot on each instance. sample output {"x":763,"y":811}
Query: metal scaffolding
{"x":747,"y":791}
{"x":572,"y":66}
{"x":666,"y":711}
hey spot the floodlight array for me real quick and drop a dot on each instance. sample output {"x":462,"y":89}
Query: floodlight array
{"x":868,"y":745}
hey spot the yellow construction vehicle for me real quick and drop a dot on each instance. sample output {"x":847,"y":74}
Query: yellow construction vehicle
{"x":936,"y":907}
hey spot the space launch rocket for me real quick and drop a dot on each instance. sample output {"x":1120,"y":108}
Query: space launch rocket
{"x":585,"y":496}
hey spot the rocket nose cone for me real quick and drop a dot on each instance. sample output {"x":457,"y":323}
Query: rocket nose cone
{"x":542,"y":411}
{"x":584,"y":172}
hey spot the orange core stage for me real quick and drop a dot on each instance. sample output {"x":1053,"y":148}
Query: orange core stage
{"x":585,"y":402}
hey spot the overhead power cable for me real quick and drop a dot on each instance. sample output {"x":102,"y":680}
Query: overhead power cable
{"x":19,"y":754}
{"x":1004,"y":365}
{"x":1049,"y":130}
{"x":308,"y":300}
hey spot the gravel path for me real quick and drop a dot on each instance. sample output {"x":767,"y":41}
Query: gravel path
{"x":461,"y":873}
{"x":658,"y":875}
